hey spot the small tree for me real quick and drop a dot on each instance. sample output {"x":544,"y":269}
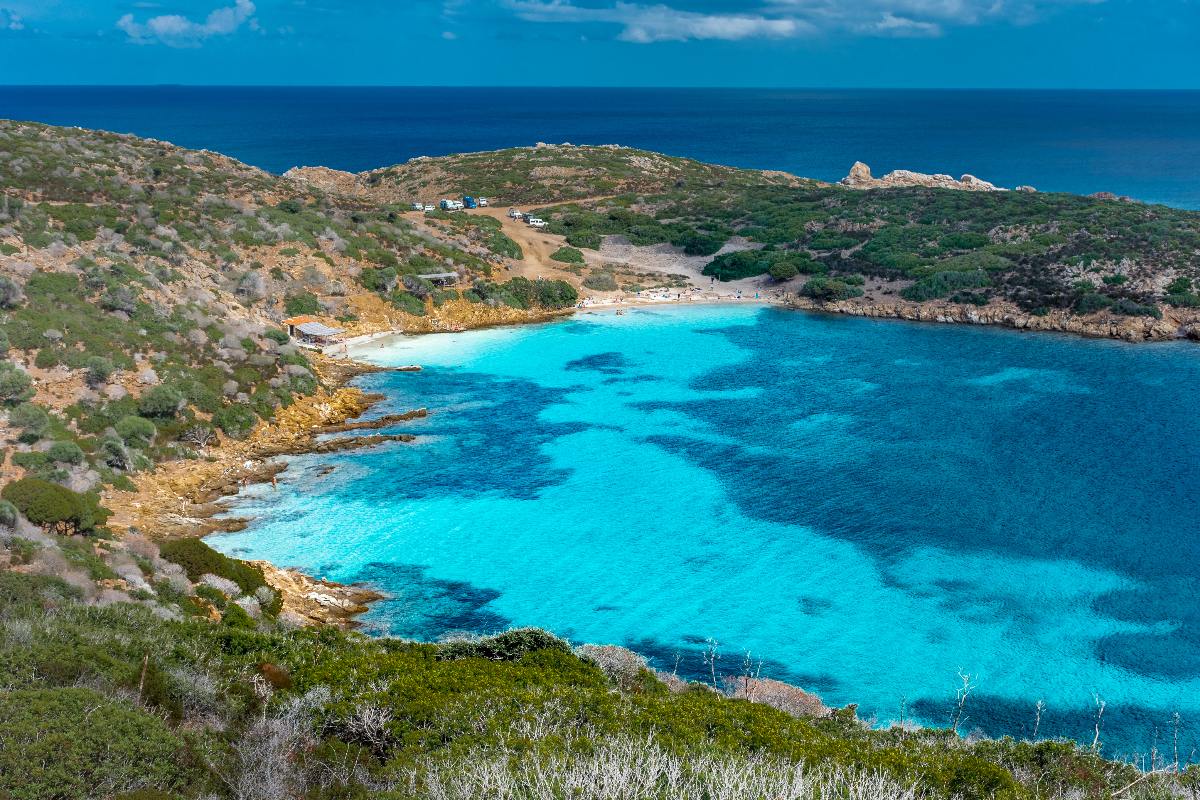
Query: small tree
{"x":11,"y":295}
{"x":161,"y":401}
{"x":99,"y":370}
{"x":136,"y":431}
{"x":32,"y":419}
{"x":15,"y":384}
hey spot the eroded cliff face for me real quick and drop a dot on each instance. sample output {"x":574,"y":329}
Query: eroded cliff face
{"x":860,"y":178}
{"x":1177,"y":324}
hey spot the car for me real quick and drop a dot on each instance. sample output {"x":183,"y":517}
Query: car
{"x":429,"y":208}
{"x":515,"y":213}
{"x":483,"y":202}
{"x":418,"y":206}
{"x":537,"y":222}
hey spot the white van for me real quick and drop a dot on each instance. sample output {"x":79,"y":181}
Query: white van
{"x":483,"y":202}
{"x":537,"y":222}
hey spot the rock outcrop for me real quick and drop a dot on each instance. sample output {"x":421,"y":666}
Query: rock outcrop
{"x":1176,"y":325}
{"x":860,"y":178}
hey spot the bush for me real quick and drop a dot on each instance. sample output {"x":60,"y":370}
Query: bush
{"x":11,"y":295}
{"x":290,"y":206}
{"x":276,"y":335}
{"x":163,"y":402}
{"x":48,"y":504}
{"x":507,"y":646}
{"x":136,"y":431}
{"x":65,"y":453}
{"x":824,"y":290}
{"x":30,"y":418}
{"x":601,"y":281}
{"x":199,"y":559}
{"x":783,"y":271}
{"x":408,"y":303}
{"x":70,"y":743}
{"x":1132,"y":308}
{"x":8,"y":514}
{"x":303,"y":303}
{"x":99,"y":370}
{"x":1091,"y":302}
{"x":567,"y":255}
{"x":586,"y":239}
{"x":15,"y":384}
{"x":236,"y":420}
{"x":941,"y":284}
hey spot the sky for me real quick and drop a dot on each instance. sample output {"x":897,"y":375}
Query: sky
{"x":763,"y":43}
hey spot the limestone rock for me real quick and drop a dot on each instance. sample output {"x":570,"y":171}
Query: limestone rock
{"x":860,"y":178}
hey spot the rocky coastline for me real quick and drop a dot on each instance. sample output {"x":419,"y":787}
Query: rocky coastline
{"x":1181,"y":324}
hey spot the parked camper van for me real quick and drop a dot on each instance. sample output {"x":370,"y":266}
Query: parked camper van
{"x":451,"y":205}
{"x":418,"y":206}
{"x":470,"y":202}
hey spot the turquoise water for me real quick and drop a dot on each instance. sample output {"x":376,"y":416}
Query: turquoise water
{"x":866,"y":507}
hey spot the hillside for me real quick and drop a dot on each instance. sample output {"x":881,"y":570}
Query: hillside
{"x":141,"y":694}
{"x":536,"y":175}
{"x":143,"y":287}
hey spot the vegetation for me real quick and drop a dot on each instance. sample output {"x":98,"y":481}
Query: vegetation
{"x":150,"y":694}
{"x":567,"y":255}
{"x":52,"y":505}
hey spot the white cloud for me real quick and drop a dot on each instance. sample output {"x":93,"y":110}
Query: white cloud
{"x":176,"y":30}
{"x":659,"y":23}
{"x":784,"y":19}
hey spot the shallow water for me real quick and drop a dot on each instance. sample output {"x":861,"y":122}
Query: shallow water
{"x":866,"y":507}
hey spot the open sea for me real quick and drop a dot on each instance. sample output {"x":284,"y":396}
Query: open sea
{"x":1144,"y":144}
{"x":866,"y":508}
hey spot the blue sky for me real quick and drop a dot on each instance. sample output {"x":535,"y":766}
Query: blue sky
{"x":825,"y":43}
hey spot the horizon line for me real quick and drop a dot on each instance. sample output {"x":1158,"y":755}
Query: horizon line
{"x":175,"y":85}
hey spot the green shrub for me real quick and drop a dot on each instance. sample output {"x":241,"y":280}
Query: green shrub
{"x":941,"y":284}
{"x":99,"y":369}
{"x":303,"y":303}
{"x":8,"y":514}
{"x":135,"y":431}
{"x":408,"y":303}
{"x":567,"y":255}
{"x":290,"y":206}
{"x":30,"y":418}
{"x":1180,"y":285}
{"x":586,"y":239}
{"x":162,"y":402}
{"x":507,"y":646}
{"x":197,"y":559}
{"x":276,"y":335}
{"x":236,"y":617}
{"x":65,"y":453}
{"x":823,"y":289}
{"x":45,"y":503}
{"x":1132,"y":308}
{"x":1091,"y":302}
{"x":237,"y":420}
{"x":68,"y":743}
{"x":783,"y":270}
{"x":15,"y":384}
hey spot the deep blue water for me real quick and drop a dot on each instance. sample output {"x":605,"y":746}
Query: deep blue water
{"x":868,"y":507}
{"x":1144,"y":144}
